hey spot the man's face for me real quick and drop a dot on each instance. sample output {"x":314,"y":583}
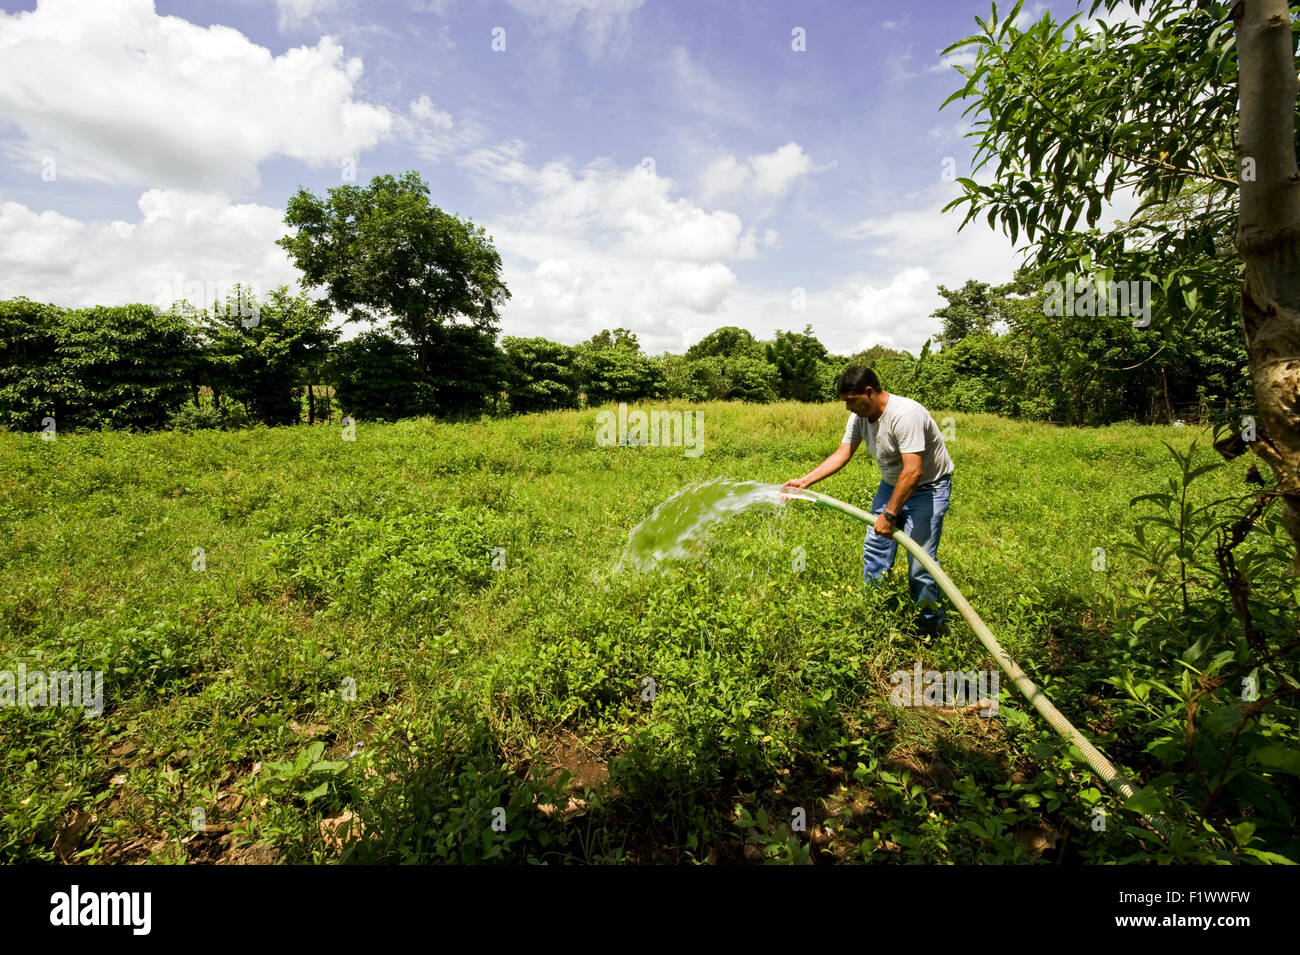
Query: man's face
{"x":864,"y":405}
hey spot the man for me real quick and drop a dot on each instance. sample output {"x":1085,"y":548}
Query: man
{"x":915,"y":485}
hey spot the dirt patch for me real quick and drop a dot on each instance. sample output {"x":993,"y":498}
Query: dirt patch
{"x":347,"y":747}
{"x":338,"y":831}
{"x":1041,"y":839}
{"x":585,"y":763}
{"x":69,"y":837}
{"x":925,"y":766}
{"x":256,"y":854}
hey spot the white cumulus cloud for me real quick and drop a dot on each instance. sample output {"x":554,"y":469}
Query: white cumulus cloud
{"x":603,"y":245}
{"x":180,"y":238}
{"x":894,"y":314}
{"x":116,"y":93}
{"x":767,"y":174}
{"x":627,"y":208}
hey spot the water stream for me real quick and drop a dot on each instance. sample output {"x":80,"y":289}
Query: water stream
{"x":688,"y":515}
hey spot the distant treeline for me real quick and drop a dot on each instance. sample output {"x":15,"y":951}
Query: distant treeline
{"x":261,"y":361}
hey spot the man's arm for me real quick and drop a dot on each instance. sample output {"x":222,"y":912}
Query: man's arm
{"x":903,"y":489}
{"x":909,"y":432}
{"x":838,"y":458}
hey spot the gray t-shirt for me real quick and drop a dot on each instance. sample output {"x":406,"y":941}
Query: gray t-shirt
{"x":904,"y":426}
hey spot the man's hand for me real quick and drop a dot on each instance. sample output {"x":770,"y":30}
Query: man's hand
{"x":903,"y":488}
{"x":798,"y":483}
{"x":882,"y":526}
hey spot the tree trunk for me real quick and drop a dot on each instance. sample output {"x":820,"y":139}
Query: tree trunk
{"x":311,"y":405}
{"x":1268,"y":238}
{"x":1076,"y":410}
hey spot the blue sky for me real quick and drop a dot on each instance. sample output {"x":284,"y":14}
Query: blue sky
{"x":669,"y":167}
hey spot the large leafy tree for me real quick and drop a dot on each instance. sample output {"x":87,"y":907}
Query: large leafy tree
{"x":467,"y":373}
{"x":1006,"y":353}
{"x":385,"y":252}
{"x":874,"y":355}
{"x":1198,"y":93}
{"x":618,"y":338}
{"x":970,"y":309}
{"x":610,"y":366}
{"x":727,"y":364}
{"x":798,"y":358}
{"x":725,"y":342}
{"x":1093,"y":372}
{"x":376,"y":377}
{"x":735,"y":377}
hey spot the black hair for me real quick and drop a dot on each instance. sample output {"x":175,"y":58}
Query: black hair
{"x":856,"y":379}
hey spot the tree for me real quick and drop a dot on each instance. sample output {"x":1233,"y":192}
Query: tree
{"x":1268,"y":237}
{"x":970,"y":309}
{"x":872,"y":356}
{"x":384,"y":251}
{"x":468,"y":371}
{"x":619,"y":374}
{"x":32,"y":386}
{"x":377,"y":378}
{"x":725,"y":342}
{"x":126,"y":366}
{"x":611,"y":367}
{"x":797,"y":358}
{"x":264,"y":353}
{"x":751,"y":378}
{"x":738,"y":377}
{"x":542,"y":374}
{"x":1154,"y":106}
{"x":619,"y":338}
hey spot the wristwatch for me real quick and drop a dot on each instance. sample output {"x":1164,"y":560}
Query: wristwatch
{"x":892,"y":518}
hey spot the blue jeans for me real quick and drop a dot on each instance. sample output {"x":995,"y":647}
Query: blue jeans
{"x":922,"y":520}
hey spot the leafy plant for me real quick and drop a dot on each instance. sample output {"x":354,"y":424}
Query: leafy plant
{"x":1220,"y":722}
{"x":308,"y":777}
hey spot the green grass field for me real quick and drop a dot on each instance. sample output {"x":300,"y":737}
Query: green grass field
{"x":349,"y":677}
